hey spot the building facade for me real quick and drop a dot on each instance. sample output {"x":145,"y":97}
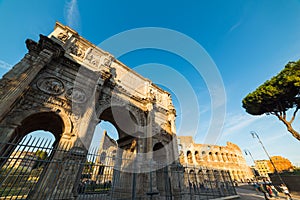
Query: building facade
{"x":105,"y":160}
{"x":264,"y":167}
{"x":227,"y":157}
{"x":281,"y":164}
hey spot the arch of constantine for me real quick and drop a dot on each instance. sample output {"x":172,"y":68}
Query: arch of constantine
{"x":67,"y":85}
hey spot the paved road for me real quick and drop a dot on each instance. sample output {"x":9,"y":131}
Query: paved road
{"x":249,"y":194}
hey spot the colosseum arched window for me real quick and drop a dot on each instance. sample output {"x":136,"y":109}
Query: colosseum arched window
{"x":197,"y":156}
{"x":227,"y":157}
{"x":192,"y":177}
{"x":210,"y":157}
{"x":217,"y":156}
{"x":181,"y":157}
{"x":223,"y":157}
{"x":189,"y":157}
{"x":201,"y":177}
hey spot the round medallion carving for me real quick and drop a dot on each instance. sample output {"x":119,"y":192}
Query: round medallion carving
{"x":76,"y":95}
{"x":51,"y":85}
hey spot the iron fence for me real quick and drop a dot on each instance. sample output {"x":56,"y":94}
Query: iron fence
{"x":34,"y":168}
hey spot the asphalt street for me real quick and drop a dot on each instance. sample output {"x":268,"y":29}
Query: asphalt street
{"x":247,"y":193}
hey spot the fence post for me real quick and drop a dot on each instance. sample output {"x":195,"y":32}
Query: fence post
{"x":133,"y":182}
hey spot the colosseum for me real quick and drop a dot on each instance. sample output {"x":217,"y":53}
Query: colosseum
{"x":227,"y":157}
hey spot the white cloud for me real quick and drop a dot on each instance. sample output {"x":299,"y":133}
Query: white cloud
{"x":237,"y":122}
{"x":235,"y":26}
{"x":272,"y":139}
{"x":4,"y":65}
{"x":72,"y":15}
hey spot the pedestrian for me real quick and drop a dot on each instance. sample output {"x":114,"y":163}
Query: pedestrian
{"x":285,"y":190}
{"x":263,"y":190}
{"x":256,"y":187}
{"x":269,"y":190}
{"x":275,"y":192}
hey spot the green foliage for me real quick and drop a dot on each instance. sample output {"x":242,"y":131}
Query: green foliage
{"x":41,"y":154}
{"x":88,"y":167}
{"x":276,"y":95}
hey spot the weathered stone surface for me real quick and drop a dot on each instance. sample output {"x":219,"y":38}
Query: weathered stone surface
{"x":66,"y":85}
{"x":229,"y":157}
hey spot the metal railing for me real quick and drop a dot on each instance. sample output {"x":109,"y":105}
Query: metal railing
{"x":36,"y":169}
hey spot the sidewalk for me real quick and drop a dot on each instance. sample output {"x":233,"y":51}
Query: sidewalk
{"x":248,"y":193}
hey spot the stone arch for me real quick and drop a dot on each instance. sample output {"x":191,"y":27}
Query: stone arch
{"x":54,"y":122}
{"x":159,"y":153}
{"x":210,"y":156}
{"x":192,"y":176}
{"x":217,"y":155}
{"x":223,"y":157}
{"x":162,"y":176}
{"x":110,"y":104}
{"x":197,"y":156}
{"x":235,"y":175}
{"x":235,"y":158}
{"x":181,"y":157}
{"x":239,"y":175}
{"x":58,"y":123}
{"x":210,"y":175}
{"x":227,"y":157}
{"x":63,"y":75}
{"x":201,"y":177}
{"x":31,"y":120}
{"x":189,"y":157}
{"x":224,"y":175}
{"x":123,"y":119}
{"x":232,"y":157}
{"x":205,"y":175}
{"x":217,"y":175}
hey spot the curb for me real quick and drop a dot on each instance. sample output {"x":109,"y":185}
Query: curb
{"x":229,"y":197}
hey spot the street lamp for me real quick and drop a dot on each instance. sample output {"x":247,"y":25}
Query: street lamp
{"x":253,"y":170}
{"x":248,"y":152}
{"x":254,"y":135}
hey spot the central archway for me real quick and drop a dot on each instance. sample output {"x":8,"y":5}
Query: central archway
{"x":124,"y":121}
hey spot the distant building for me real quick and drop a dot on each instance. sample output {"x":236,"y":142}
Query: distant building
{"x":105,"y":161}
{"x":229,"y":157}
{"x":281,"y":164}
{"x":254,"y":171}
{"x":263,"y":167}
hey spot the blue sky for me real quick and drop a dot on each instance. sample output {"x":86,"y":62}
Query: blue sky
{"x":249,"y":41}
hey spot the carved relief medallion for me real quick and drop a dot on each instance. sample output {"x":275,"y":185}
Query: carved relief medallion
{"x":76,"y":95}
{"x":51,"y":85}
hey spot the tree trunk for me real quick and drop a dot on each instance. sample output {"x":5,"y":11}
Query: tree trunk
{"x":290,"y":128}
{"x":293,"y":132}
